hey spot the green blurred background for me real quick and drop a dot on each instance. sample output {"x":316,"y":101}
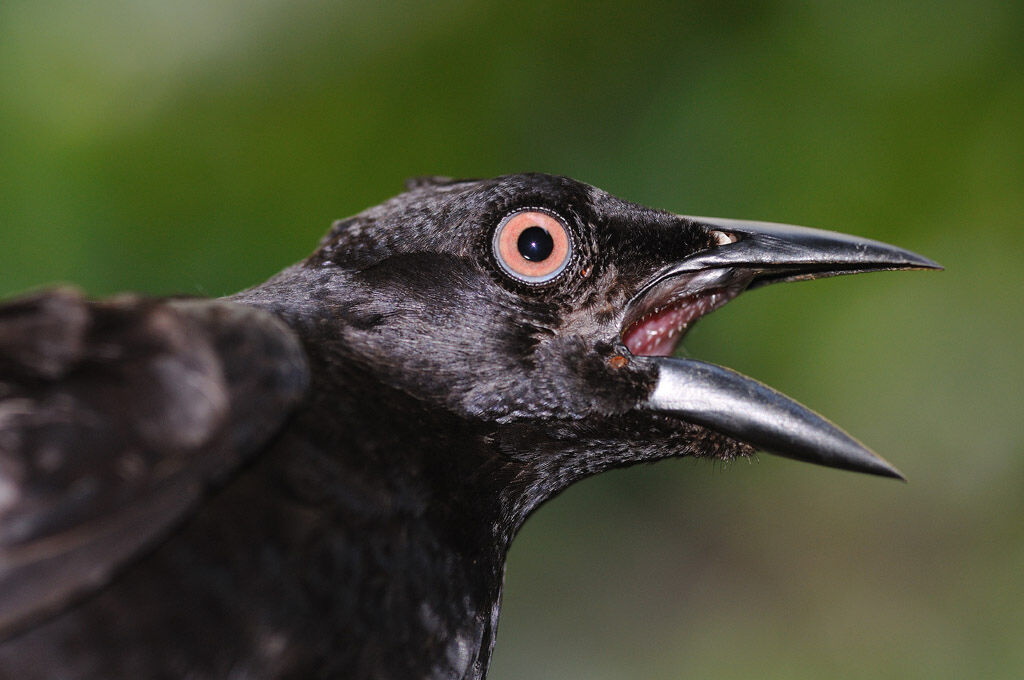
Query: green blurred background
{"x":197,"y":147}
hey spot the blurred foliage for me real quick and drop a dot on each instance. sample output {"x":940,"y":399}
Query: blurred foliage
{"x":197,"y":147}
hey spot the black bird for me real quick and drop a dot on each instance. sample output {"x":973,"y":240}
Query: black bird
{"x":320,"y":477}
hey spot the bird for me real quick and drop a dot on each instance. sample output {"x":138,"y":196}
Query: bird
{"x":320,"y":476}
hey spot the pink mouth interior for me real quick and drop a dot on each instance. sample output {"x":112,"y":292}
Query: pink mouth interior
{"x":660,"y":331}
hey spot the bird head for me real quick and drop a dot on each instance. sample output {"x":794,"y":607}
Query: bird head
{"x":548,"y":311}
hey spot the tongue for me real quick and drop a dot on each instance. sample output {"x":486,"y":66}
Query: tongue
{"x":658,"y":334}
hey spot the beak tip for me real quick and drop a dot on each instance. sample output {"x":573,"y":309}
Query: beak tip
{"x":846,"y":453}
{"x":859,"y":458}
{"x":849,"y":455}
{"x":922,"y":262}
{"x":887,"y":470}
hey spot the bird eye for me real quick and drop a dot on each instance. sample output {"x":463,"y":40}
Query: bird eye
{"x":532,"y":246}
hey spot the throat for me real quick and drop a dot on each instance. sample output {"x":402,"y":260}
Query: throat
{"x":386,"y":517}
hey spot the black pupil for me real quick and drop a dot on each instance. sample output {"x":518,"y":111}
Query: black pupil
{"x":535,"y":244}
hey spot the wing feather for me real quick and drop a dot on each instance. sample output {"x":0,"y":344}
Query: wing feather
{"x":115,"y":417}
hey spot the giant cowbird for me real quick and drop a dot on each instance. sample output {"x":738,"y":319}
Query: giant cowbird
{"x":320,"y":477}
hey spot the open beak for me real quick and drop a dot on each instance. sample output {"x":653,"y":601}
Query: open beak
{"x":750,"y":255}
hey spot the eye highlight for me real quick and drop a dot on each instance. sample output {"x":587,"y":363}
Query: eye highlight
{"x":532,"y":246}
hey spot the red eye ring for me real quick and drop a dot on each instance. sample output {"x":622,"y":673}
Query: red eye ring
{"x":555,"y":252}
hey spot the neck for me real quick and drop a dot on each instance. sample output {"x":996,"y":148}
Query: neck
{"x":419,"y":505}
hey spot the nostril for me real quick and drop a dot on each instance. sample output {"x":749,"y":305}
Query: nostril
{"x":723,"y":238}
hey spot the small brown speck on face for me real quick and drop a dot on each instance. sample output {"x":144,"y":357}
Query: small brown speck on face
{"x":585,"y":272}
{"x":618,"y":361}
